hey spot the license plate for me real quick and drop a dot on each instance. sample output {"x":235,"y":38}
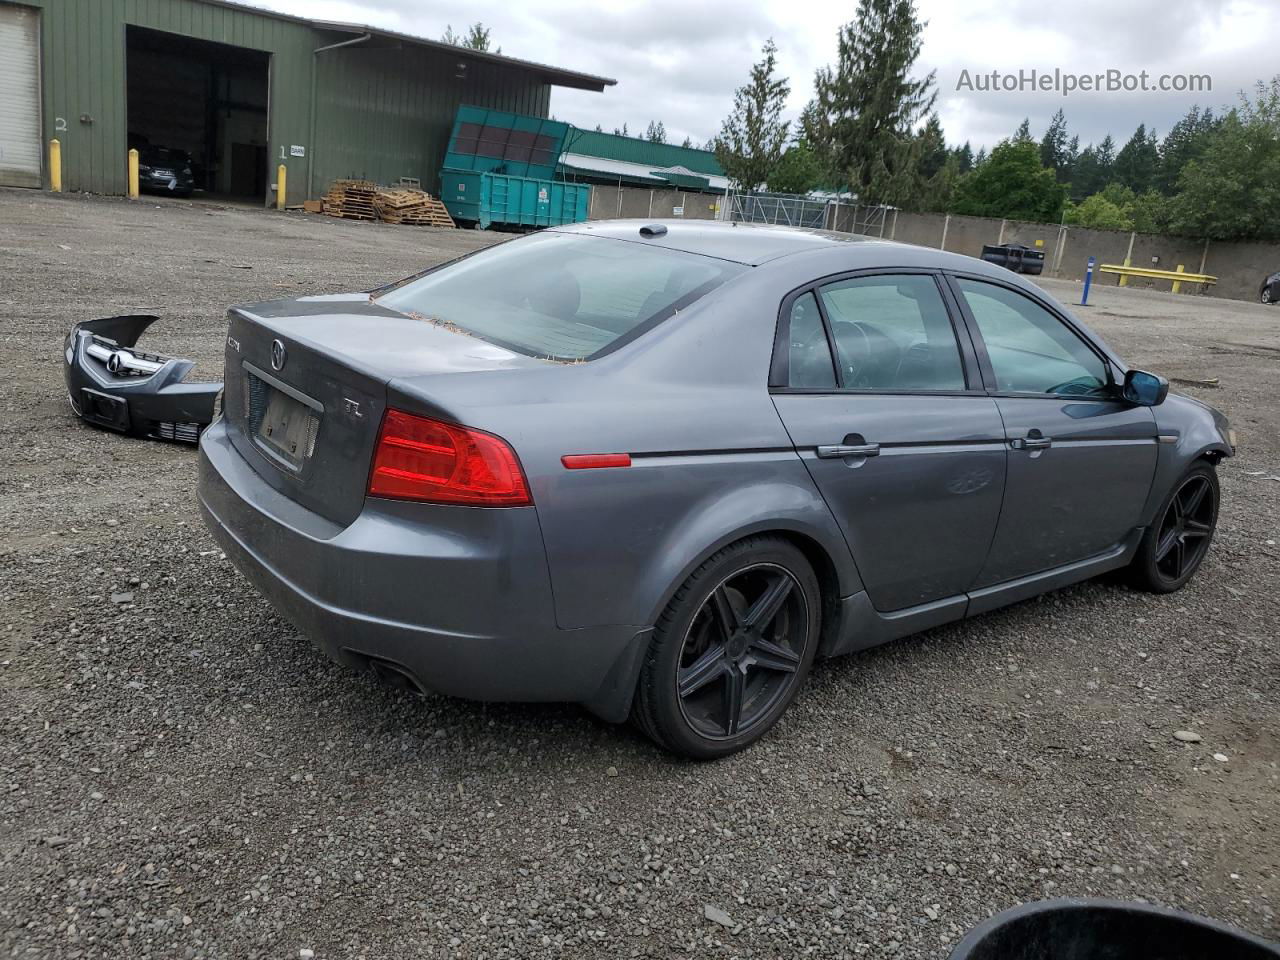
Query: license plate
{"x":287,"y":427}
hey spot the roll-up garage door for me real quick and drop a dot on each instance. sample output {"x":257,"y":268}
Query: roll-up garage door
{"x":19,"y":96}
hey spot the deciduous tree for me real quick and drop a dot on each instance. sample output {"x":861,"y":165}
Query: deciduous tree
{"x":1013,"y":184}
{"x":1232,"y":192}
{"x":476,"y":37}
{"x":798,"y":170}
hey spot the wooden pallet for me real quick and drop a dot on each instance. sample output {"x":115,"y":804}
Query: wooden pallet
{"x":412,"y":207}
{"x":364,"y":200}
{"x":352,"y":200}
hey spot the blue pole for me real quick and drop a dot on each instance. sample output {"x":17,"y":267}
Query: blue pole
{"x":1088,"y":279}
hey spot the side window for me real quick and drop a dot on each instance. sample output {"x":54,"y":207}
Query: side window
{"x":893,"y":333}
{"x":1031,"y":350}
{"x":810,"y":354}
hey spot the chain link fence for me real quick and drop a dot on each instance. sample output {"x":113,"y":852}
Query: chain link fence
{"x":800,"y":211}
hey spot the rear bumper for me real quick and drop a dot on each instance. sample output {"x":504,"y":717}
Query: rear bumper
{"x":159,"y":404}
{"x":456,"y":600}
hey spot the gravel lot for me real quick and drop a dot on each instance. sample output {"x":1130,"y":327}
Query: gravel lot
{"x":183,"y":776}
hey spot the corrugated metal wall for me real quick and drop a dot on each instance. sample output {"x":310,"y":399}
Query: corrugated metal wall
{"x":383,"y":113}
{"x":403,"y":99}
{"x":84,"y":75}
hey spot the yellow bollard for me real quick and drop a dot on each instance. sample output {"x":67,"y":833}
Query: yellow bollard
{"x":281,"y":176}
{"x":133,"y":174}
{"x":55,"y":165}
{"x":1177,"y":284}
{"x":1124,"y":277}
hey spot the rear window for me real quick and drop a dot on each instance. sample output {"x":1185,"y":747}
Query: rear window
{"x":560,"y":296}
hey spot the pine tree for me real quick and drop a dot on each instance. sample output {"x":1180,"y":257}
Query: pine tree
{"x":933,"y":148}
{"x":1070,"y":156}
{"x":1093,"y":168}
{"x":964,"y":157}
{"x":938,"y":192}
{"x":1137,"y":161}
{"x":1023,"y":133}
{"x":753,"y":137}
{"x":1106,"y":154}
{"x":1053,"y":147}
{"x":657,"y":133}
{"x":980,"y":158}
{"x":687,"y":143}
{"x":866,"y":107}
{"x":1186,"y":141}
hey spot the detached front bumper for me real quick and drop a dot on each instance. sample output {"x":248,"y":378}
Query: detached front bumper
{"x":113,"y":384}
{"x":455,"y":600}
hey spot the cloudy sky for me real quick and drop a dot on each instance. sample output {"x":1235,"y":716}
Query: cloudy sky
{"x":679,"y":61}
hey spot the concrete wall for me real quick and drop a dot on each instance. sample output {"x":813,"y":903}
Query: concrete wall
{"x":1239,"y":267}
{"x":608,"y":203}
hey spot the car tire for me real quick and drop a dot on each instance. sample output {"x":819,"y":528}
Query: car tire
{"x":684,"y":700}
{"x":1266,"y":296}
{"x":1175,"y":545}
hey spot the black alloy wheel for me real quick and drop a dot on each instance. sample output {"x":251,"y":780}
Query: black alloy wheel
{"x":731,"y":650}
{"x":1175,"y":545}
{"x":1186,"y":529}
{"x":742,"y":650}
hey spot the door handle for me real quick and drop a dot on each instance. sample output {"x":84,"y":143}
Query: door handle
{"x":836,"y":450}
{"x":1032,"y":441}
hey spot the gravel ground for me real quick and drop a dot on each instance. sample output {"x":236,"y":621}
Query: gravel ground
{"x":183,"y":776}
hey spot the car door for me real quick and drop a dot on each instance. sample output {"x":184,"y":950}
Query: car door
{"x":1081,"y":459}
{"x":881,"y":394}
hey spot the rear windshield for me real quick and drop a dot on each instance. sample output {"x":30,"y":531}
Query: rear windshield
{"x":560,"y":296}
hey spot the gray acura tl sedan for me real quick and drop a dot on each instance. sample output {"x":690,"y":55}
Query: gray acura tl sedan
{"x":658,"y":469}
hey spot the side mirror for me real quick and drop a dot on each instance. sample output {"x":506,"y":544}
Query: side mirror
{"x":1144,"y":389}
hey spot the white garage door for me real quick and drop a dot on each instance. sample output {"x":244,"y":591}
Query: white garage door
{"x":19,"y":96}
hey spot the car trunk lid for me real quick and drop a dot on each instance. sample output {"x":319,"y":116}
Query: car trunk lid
{"x":306,"y":388}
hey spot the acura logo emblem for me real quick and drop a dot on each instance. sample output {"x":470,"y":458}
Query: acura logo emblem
{"x":279,"y":356}
{"x":114,"y":361}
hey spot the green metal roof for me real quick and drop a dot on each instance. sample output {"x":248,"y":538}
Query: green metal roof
{"x":592,"y":143}
{"x":687,"y":180}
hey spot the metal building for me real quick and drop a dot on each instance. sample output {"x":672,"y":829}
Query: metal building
{"x":609,"y":158}
{"x":241,"y":90}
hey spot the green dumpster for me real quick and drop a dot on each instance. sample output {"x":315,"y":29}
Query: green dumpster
{"x":500,"y":169}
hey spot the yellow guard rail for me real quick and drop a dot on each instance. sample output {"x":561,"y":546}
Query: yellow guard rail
{"x":1179,"y":276}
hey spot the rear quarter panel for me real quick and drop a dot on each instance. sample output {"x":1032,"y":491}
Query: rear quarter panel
{"x":711,"y":460}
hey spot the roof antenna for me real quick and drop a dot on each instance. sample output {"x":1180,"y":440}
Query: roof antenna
{"x":653,"y":230}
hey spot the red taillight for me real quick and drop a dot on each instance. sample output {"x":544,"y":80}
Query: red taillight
{"x":422,"y":459}
{"x":594,"y":461}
